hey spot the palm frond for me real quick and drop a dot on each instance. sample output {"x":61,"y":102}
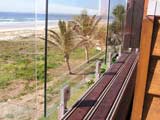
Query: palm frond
{"x":58,"y":40}
{"x":95,"y":25}
{"x":62,"y":27}
{"x":78,"y":44}
{"x":92,"y":20}
{"x":42,"y":38}
{"x":56,"y":44}
{"x":53,"y":43}
{"x":54,"y":33}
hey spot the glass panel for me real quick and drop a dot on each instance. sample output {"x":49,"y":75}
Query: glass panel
{"x":18,"y":65}
{"x":116,"y":29}
{"x":76,"y":46}
{"x":77,"y":34}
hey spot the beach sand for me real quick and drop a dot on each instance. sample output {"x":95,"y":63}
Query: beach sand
{"x":11,"y":31}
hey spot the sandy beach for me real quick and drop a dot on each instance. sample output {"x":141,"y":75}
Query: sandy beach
{"x":10,"y":31}
{"x":12,"y":26}
{"x":13,"y":30}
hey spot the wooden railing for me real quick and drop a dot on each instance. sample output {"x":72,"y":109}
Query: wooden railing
{"x":110,"y":97}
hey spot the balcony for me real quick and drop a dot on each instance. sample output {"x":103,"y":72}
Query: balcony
{"x":86,"y":64}
{"x":106,"y":98}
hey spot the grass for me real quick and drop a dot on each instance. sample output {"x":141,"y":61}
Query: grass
{"x":77,"y":90}
{"x":18,"y":63}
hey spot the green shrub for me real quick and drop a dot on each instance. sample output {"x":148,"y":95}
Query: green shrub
{"x":40,"y":71}
{"x":113,"y":59}
{"x":89,"y":83}
{"x":103,"y":68}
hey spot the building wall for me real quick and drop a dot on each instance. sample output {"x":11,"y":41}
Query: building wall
{"x":152,"y":97}
{"x":133,"y":23}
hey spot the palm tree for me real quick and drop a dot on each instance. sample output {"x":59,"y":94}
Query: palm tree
{"x":85,"y":26}
{"x":119,"y":13}
{"x":114,"y":41}
{"x":66,"y":40}
{"x":101,"y":36}
{"x":116,"y":27}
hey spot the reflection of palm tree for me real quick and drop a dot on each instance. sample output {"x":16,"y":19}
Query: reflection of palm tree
{"x":101,"y":35}
{"x":117,"y":27}
{"x":85,"y":26}
{"x":118,"y":12}
{"x":114,"y":41}
{"x":66,"y":40}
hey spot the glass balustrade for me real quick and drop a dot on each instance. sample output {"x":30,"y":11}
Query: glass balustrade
{"x":77,"y":53}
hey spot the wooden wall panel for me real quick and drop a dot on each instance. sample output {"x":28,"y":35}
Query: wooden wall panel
{"x":146,"y":105}
{"x":151,"y":110}
{"x":154,"y":69}
{"x":143,"y":64}
{"x":154,"y":77}
{"x":156,"y":42}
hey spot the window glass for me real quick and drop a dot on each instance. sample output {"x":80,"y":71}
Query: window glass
{"x":77,"y":53}
{"x":77,"y":34}
{"x":19,"y":68}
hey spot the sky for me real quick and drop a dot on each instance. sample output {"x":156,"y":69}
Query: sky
{"x":55,"y":6}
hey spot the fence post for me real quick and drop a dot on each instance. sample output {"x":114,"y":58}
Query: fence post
{"x":137,"y":50}
{"x":119,"y":51}
{"x":98,"y":69}
{"x":129,"y":50}
{"x":109,"y":59}
{"x":65,"y":96}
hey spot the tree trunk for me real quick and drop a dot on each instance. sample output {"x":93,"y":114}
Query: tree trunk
{"x":87,"y":54}
{"x":66,"y":57}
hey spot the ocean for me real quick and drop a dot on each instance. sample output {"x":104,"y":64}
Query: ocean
{"x":9,"y":20}
{"x":29,"y":17}
{"x":14,"y":21}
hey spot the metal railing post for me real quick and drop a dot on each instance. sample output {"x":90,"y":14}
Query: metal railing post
{"x":45,"y":62}
{"x":107,"y":36}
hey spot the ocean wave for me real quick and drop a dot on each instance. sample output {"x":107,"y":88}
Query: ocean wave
{"x":7,"y":20}
{"x":27,"y":22}
{"x":24,"y":20}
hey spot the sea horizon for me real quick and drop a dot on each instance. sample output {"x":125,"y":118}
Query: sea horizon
{"x":13,"y":20}
{"x":16,"y":21}
{"x":23,"y":17}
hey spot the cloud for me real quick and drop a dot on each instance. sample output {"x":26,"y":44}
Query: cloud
{"x":17,"y":6}
{"x":63,"y":9}
{"x":31,"y":6}
{"x":69,"y":9}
